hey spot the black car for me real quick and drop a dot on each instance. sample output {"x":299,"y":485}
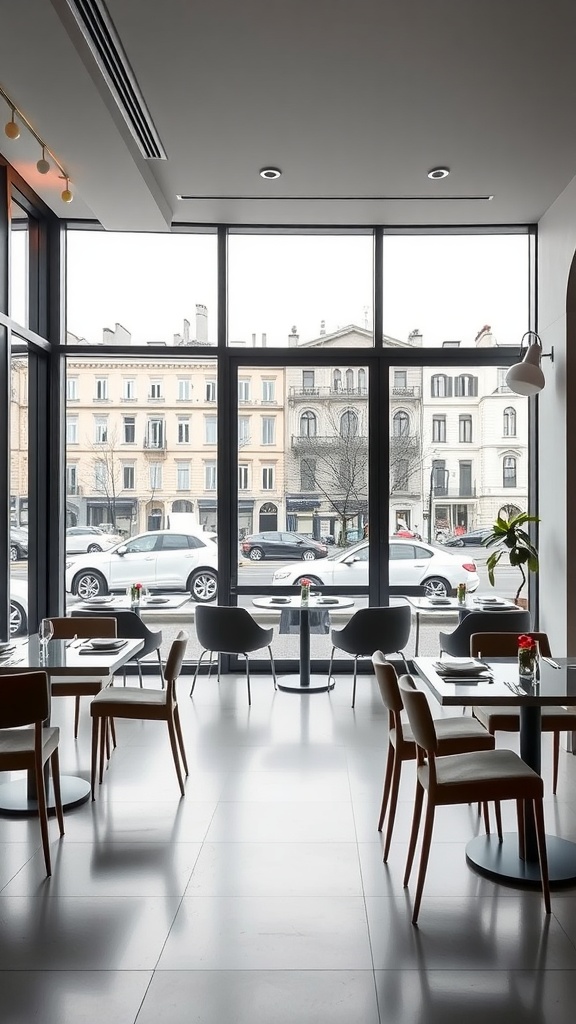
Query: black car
{"x":277,"y":544}
{"x":474,"y":539}
{"x":18,"y":544}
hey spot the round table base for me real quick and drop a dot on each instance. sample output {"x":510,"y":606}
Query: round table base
{"x":501,"y":861}
{"x":318,"y":684}
{"x":14,"y":797}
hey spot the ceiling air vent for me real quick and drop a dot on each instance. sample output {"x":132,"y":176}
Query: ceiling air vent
{"x":98,"y":30}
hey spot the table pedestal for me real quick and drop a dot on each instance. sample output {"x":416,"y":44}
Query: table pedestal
{"x":500,"y":860}
{"x":15,"y":797}
{"x":313,"y":684}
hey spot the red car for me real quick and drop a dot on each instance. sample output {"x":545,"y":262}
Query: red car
{"x":408,"y":534}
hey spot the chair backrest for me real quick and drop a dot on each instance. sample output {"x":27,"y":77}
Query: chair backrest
{"x":372,"y":629}
{"x":96,"y":625}
{"x":24,"y":699}
{"x":457,"y":643}
{"x":387,"y":682}
{"x":419,"y":715}
{"x":504,"y":645}
{"x":226,"y":629}
{"x":174,"y":663}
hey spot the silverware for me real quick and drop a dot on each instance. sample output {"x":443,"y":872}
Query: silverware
{"x":550,"y":661}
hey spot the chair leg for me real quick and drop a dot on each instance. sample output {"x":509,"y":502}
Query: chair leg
{"x":180,"y":739}
{"x":418,"y":798}
{"x":124,"y":677}
{"x":542,"y":855}
{"x":355,"y":674}
{"x":102,"y":731}
{"x":199,"y":662}
{"x":486,"y":814}
{"x":248,"y":679}
{"x":43,"y":814}
{"x":94,"y":761}
{"x":393,"y":803}
{"x":386,"y":791}
{"x":140,"y":673}
{"x":174,"y":745}
{"x":424,"y":854}
{"x":556,"y":758}
{"x":498,"y":816}
{"x":76,"y":717}
{"x":55,"y":769}
{"x":521,"y":832}
{"x":161,"y":669}
{"x":112,"y":732}
{"x":330,"y":665}
{"x":273,"y":666}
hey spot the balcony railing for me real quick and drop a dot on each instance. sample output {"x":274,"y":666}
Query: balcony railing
{"x":405,"y":392}
{"x":297,"y":392}
{"x":316,"y":442}
{"x":155,"y":446}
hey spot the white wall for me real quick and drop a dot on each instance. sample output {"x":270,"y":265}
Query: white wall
{"x":557,"y":426}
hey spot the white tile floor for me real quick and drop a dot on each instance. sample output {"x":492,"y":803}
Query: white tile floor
{"x":261,"y":896}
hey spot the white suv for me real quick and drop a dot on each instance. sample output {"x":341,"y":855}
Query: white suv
{"x":161,"y":560}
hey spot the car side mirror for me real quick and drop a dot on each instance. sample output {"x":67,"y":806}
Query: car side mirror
{"x":121,"y":551}
{"x":351,"y":559}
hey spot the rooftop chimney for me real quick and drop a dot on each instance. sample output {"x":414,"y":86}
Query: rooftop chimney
{"x":322,"y":327}
{"x":293,"y":337}
{"x":201,"y":324}
{"x":263,"y":341}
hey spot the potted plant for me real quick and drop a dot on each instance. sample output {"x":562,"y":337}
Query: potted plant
{"x":509,"y":536}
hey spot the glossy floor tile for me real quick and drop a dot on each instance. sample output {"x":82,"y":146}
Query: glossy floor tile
{"x":261,"y":896}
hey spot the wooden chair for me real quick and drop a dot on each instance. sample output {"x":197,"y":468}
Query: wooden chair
{"x":504,"y":719}
{"x":483,"y":775}
{"x":25,"y":701}
{"x":66,"y":629}
{"x":455,"y":736}
{"x":143,"y":703}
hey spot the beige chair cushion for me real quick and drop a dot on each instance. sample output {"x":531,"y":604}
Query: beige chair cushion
{"x":482,"y":775}
{"x":19,"y":743}
{"x":455,"y":736}
{"x":127,"y":695}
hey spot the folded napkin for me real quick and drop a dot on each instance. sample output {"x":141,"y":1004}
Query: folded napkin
{"x":465,"y":667}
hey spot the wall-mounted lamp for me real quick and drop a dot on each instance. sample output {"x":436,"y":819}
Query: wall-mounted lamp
{"x":12,"y":131}
{"x":526,"y":377}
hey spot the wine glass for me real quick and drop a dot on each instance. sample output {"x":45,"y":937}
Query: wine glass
{"x":46,"y":630}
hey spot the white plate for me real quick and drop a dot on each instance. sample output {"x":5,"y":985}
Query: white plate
{"x":156,"y":600}
{"x":106,"y":644}
{"x":99,"y":600}
{"x":439,"y":600}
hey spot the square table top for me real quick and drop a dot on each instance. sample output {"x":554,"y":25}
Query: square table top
{"x":556,"y":686}
{"x":64,"y":657}
{"x":120,"y":602}
{"x":452,"y":604}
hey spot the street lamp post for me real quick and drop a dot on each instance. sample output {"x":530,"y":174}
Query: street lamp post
{"x":438,"y":486}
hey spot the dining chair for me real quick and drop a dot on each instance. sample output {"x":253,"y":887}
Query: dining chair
{"x":373,"y":629}
{"x":455,"y":736}
{"x":66,"y":628}
{"x":140,"y":702}
{"x":506,"y":719}
{"x":131,"y":627}
{"x":457,"y":643}
{"x":482,"y":775}
{"x":25,"y":702}
{"x":223,"y":630}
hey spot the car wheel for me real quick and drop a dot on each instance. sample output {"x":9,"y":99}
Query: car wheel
{"x":256,"y":554}
{"x":14,"y":553}
{"x":203,"y":585}
{"x":94,"y":547}
{"x":458,"y":543}
{"x":313,"y":580}
{"x":89,"y":584}
{"x":18,"y":623}
{"x":436,"y":586}
{"x":308,"y":555}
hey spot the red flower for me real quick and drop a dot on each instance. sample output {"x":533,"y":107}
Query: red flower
{"x":305,"y":583}
{"x":526,"y":642}
{"x":138,"y":586}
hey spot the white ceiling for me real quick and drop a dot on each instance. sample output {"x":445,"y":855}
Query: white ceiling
{"x":355,"y":98}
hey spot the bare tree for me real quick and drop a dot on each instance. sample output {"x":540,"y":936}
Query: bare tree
{"x":107,"y":472}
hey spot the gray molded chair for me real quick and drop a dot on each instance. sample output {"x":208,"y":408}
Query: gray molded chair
{"x":505,"y":719}
{"x":482,"y":775}
{"x":131,"y":627}
{"x":138,"y":702}
{"x":373,"y":629}
{"x":455,"y":736}
{"x":223,"y":630}
{"x":457,"y":643}
{"x":25,"y":701}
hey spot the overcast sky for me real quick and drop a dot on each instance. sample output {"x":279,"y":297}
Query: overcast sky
{"x":447,"y":287}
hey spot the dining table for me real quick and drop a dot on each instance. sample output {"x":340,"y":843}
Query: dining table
{"x":58,"y":658}
{"x":122,"y":602}
{"x":304,"y":681}
{"x":499,"y":684}
{"x":432,"y":605}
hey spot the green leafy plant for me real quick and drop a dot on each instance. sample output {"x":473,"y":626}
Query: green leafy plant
{"x":510,"y":537}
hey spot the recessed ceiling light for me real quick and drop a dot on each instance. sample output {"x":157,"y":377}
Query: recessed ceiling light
{"x":270,"y":173}
{"x":438,"y":172}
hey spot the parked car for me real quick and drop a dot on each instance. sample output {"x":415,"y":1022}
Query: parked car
{"x":160,"y":560}
{"x":89,"y":538}
{"x":278,"y":544}
{"x":18,"y":544}
{"x":407,"y":534}
{"x":474,"y":539}
{"x":411,"y":564}
{"x":18,"y":607}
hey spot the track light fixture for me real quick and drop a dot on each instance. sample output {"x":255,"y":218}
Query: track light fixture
{"x":12,"y":131}
{"x":526,"y":377}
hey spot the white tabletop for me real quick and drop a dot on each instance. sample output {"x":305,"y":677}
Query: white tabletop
{"x":119,"y":602}
{"x":317,"y":603}
{"x":65,"y":657}
{"x":452,"y":604}
{"x":556,"y":686}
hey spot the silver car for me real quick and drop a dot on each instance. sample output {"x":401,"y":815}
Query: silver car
{"x":89,"y":538}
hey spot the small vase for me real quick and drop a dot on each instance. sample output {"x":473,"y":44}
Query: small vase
{"x":527,"y":663}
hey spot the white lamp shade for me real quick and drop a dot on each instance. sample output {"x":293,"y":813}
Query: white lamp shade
{"x":526,"y":378}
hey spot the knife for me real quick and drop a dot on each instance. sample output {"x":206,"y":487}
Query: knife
{"x":550,"y":661}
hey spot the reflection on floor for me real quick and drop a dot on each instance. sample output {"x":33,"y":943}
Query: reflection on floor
{"x":261,"y":898}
